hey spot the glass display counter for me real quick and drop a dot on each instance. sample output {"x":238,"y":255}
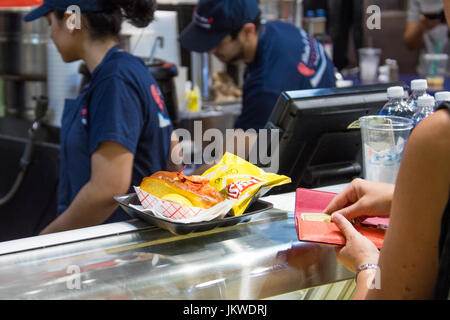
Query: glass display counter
{"x":258,"y":259}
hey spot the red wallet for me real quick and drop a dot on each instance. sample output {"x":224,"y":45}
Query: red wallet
{"x":311,"y":201}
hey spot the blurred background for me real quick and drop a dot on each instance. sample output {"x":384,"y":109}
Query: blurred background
{"x":30,"y":67}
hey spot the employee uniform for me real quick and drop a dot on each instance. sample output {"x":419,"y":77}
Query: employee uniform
{"x":122,"y":104}
{"x":442,"y":289}
{"x":437,"y":39}
{"x":286,"y":59}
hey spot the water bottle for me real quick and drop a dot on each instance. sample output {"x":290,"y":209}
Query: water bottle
{"x":425,"y":107}
{"x":443,"y":96}
{"x":396,"y":106}
{"x":419,"y":88}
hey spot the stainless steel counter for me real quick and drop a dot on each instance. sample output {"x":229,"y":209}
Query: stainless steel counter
{"x":130,"y":260}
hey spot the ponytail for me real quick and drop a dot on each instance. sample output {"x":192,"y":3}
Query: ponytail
{"x":108,"y":22}
{"x":139,"y":12}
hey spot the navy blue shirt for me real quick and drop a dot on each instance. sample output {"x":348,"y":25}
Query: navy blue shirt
{"x":122,"y":104}
{"x":286,"y":59}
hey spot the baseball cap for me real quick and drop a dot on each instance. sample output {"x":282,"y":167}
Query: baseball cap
{"x":213,"y":20}
{"x":62,"y":5}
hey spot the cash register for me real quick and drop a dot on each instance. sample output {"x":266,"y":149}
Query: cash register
{"x":319,"y":140}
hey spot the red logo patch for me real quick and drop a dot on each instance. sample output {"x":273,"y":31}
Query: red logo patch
{"x":202,"y":21}
{"x":234,"y":190}
{"x":84,"y":116}
{"x":157,"y":97}
{"x":304,"y":70}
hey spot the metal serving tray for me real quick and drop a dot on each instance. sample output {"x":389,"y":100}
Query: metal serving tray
{"x":125,"y":201}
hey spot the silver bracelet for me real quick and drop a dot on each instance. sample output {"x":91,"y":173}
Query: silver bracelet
{"x":365,"y":267}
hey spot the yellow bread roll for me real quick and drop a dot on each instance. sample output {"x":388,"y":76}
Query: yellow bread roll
{"x":176,"y":198}
{"x":195,"y":188}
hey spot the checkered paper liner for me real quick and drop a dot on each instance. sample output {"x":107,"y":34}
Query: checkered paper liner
{"x":173,"y":212}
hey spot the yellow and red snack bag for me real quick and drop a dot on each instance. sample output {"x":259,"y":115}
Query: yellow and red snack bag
{"x":242,"y":181}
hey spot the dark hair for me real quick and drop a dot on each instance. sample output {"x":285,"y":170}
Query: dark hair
{"x":109,"y":22}
{"x":256,"y":22}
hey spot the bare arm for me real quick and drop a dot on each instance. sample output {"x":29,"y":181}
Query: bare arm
{"x":408,"y":261}
{"x":409,"y":258}
{"x":414,"y":33}
{"x":413,"y":36}
{"x":110,"y":176}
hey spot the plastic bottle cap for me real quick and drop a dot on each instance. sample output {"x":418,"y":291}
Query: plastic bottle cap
{"x":442,"y":96}
{"x":425,"y":101}
{"x":419,"y":84}
{"x":395,"y":92}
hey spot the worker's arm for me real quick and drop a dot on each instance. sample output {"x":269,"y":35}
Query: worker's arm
{"x":111,"y":174}
{"x":413,"y":36}
{"x":417,"y":25}
{"x":415,"y":31}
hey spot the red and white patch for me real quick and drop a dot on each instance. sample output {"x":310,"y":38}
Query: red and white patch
{"x":203,"y":22}
{"x":234,"y":190}
{"x":157,"y":97}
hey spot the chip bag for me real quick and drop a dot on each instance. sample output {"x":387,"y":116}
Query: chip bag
{"x":242,"y":181}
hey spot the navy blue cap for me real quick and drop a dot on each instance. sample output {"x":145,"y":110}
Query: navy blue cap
{"x":62,"y":5}
{"x":215,"y":19}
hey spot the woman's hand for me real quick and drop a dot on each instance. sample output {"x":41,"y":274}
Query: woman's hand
{"x":358,"y":250}
{"x":363,"y":198}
